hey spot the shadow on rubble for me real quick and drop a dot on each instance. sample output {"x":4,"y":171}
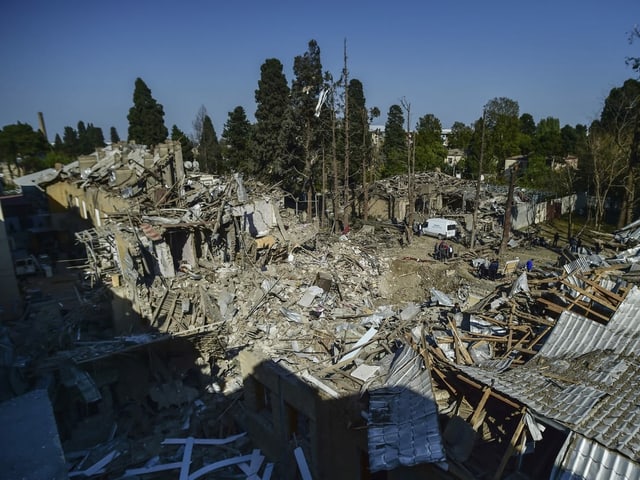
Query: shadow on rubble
{"x":116,"y":394}
{"x":389,"y":427}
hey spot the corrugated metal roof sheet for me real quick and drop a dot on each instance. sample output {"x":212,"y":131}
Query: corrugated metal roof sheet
{"x":403,"y":417}
{"x":587,"y":377}
{"x":582,"y":458}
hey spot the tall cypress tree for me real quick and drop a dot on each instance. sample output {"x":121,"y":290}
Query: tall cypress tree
{"x":237,"y":142}
{"x":209,"y":154}
{"x":115,"y":138}
{"x":146,"y":117}
{"x":272,"y":100}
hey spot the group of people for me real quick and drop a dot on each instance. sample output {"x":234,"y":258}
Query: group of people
{"x":442,"y":251}
{"x":488,"y":269}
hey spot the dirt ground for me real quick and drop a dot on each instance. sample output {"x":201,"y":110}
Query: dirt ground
{"x":414,"y":271}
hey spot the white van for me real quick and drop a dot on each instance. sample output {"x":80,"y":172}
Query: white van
{"x":439,"y":227}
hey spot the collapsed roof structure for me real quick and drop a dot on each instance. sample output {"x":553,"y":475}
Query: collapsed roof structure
{"x":222,"y":302}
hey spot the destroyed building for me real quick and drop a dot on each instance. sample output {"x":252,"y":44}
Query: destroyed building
{"x":213,"y":333}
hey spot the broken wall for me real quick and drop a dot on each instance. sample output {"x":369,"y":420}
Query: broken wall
{"x":91,"y":203}
{"x":284,"y":412}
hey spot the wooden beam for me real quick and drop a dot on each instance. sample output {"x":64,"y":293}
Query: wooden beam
{"x":608,"y":293}
{"x":495,"y":395}
{"x":459,"y":345}
{"x":479,"y":413}
{"x":533,"y":318}
{"x":593,"y":297}
{"x":511,"y":448}
{"x":554,"y":307}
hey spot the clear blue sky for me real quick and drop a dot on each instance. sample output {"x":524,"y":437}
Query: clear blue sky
{"x":78,"y":60}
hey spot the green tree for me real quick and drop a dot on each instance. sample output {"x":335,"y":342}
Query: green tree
{"x":548,"y":140}
{"x":621,"y":119}
{"x":146,"y":117}
{"x":272,"y":107}
{"x":209,"y":154}
{"x":84,"y":146}
{"x":113,"y":133}
{"x":394,"y":148}
{"x":94,"y":138}
{"x":236,"y":138}
{"x":460,"y":136}
{"x":57,"y":143}
{"x":70,"y":145}
{"x":22,"y":148}
{"x":607,"y":161}
{"x":527,"y":133}
{"x":430,"y":151}
{"x":186,"y":145}
{"x":502,"y":135}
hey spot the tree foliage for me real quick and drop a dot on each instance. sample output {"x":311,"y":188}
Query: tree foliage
{"x":22,"y":148}
{"x":236,"y":141}
{"x":304,"y":138}
{"x":548,"y":140}
{"x":209,"y":152}
{"x":634,"y":62}
{"x":146,"y":117}
{"x":621,"y":118}
{"x":502,"y":135}
{"x":429,"y":149}
{"x":113,"y":134}
{"x":83,"y":141}
{"x":394,"y":148}
{"x":359,"y":137}
{"x":460,"y":136}
{"x":607,"y":161}
{"x":186,"y":145}
{"x":272,"y":107}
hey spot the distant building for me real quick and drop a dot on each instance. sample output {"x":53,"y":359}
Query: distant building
{"x":454,"y":155}
{"x":522,"y":161}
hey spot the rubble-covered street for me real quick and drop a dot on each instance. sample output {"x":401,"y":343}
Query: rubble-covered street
{"x":211,"y":331}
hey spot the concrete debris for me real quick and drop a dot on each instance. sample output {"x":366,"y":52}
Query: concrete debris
{"x":206,"y":307}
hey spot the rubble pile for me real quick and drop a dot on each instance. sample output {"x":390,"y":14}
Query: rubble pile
{"x":228,"y":314}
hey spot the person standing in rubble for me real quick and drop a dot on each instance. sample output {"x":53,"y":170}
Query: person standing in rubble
{"x":493,"y":269}
{"x":443,"y":251}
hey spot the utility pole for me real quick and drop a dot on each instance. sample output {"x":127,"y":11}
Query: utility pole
{"x":478,"y":183}
{"x":365,"y":153}
{"x":345,"y":74}
{"x":506,"y":228}
{"x":410,"y":172}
